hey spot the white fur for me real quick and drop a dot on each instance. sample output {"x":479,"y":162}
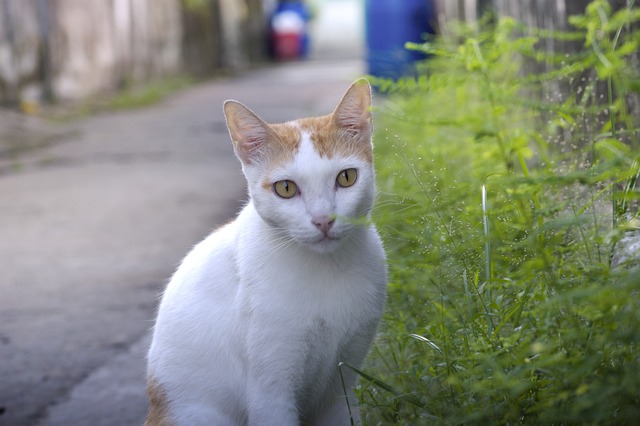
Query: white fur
{"x":253,"y":324}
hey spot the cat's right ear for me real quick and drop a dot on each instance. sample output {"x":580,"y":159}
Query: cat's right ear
{"x":353,"y":113}
{"x":248,"y":132}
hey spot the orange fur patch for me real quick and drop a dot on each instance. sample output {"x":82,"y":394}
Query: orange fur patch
{"x":158,"y":405}
{"x":284,"y":147}
{"x":330,"y":140}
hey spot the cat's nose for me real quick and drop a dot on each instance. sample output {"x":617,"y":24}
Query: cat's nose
{"x":323,"y":224}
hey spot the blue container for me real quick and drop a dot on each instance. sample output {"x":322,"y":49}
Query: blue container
{"x":389,"y":25}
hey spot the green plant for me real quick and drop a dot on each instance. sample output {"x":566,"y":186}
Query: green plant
{"x":500,"y":208}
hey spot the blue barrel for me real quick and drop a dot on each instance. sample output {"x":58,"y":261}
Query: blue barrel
{"x":389,"y":25}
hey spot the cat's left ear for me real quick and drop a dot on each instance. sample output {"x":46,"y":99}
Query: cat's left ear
{"x":353,"y":113}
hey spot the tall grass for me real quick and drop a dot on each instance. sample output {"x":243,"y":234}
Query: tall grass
{"x":502,"y":204}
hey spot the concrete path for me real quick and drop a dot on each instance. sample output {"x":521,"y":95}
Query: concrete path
{"x":338,"y":30}
{"x":92,"y":226}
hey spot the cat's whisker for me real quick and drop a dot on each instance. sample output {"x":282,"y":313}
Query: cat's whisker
{"x":281,"y":246}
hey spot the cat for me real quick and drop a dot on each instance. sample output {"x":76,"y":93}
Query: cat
{"x":254,"y":323}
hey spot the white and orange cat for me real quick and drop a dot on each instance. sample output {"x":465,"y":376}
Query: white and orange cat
{"x":254,"y":323}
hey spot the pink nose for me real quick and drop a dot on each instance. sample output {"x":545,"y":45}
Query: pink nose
{"x":323,"y":224}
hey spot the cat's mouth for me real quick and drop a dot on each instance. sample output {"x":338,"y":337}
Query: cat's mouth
{"x":323,"y":243}
{"x":324,"y":238}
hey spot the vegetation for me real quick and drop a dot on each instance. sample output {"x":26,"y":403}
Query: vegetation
{"x":505,"y":196}
{"x":130,"y":96}
{"x":150,"y":93}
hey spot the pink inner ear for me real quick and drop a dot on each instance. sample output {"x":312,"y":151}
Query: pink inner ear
{"x":250,"y":147}
{"x":352,"y":114}
{"x":353,"y":128}
{"x":354,"y":121}
{"x":248,"y":139}
{"x":247,"y":131}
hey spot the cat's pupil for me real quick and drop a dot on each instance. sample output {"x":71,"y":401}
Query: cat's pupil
{"x":346,"y":178}
{"x":285,"y":188}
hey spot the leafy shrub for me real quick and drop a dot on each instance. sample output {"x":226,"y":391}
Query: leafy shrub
{"x":502,"y":204}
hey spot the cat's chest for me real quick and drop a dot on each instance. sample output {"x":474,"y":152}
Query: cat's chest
{"x":310,"y":297}
{"x":315,"y":283}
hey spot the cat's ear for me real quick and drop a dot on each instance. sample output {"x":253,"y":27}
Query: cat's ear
{"x":248,"y":132}
{"x":353,"y":113}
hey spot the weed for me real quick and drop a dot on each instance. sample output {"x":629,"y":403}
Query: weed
{"x":501,"y":205}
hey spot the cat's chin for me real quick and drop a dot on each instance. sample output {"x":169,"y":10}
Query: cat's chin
{"x":324,"y":245}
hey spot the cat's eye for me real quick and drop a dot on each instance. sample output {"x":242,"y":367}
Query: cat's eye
{"x":285,"y":188}
{"x":347,"y":178}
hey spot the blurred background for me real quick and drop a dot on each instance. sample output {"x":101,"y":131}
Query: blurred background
{"x":71,"y":49}
{"x":115,"y":160}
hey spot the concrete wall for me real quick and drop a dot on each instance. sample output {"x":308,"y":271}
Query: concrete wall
{"x":97,"y":48}
{"x":19,"y":45}
{"x":71,"y":49}
{"x":74,"y":49}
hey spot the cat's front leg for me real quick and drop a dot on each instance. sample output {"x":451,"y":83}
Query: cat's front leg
{"x":265,"y":408}
{"x":271,"y":376}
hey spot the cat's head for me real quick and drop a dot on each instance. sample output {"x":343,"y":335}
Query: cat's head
{"x":312,"y":179}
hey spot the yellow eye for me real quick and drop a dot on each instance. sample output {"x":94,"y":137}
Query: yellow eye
{"x":285,"y":188}
{"x":347,"y":177}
